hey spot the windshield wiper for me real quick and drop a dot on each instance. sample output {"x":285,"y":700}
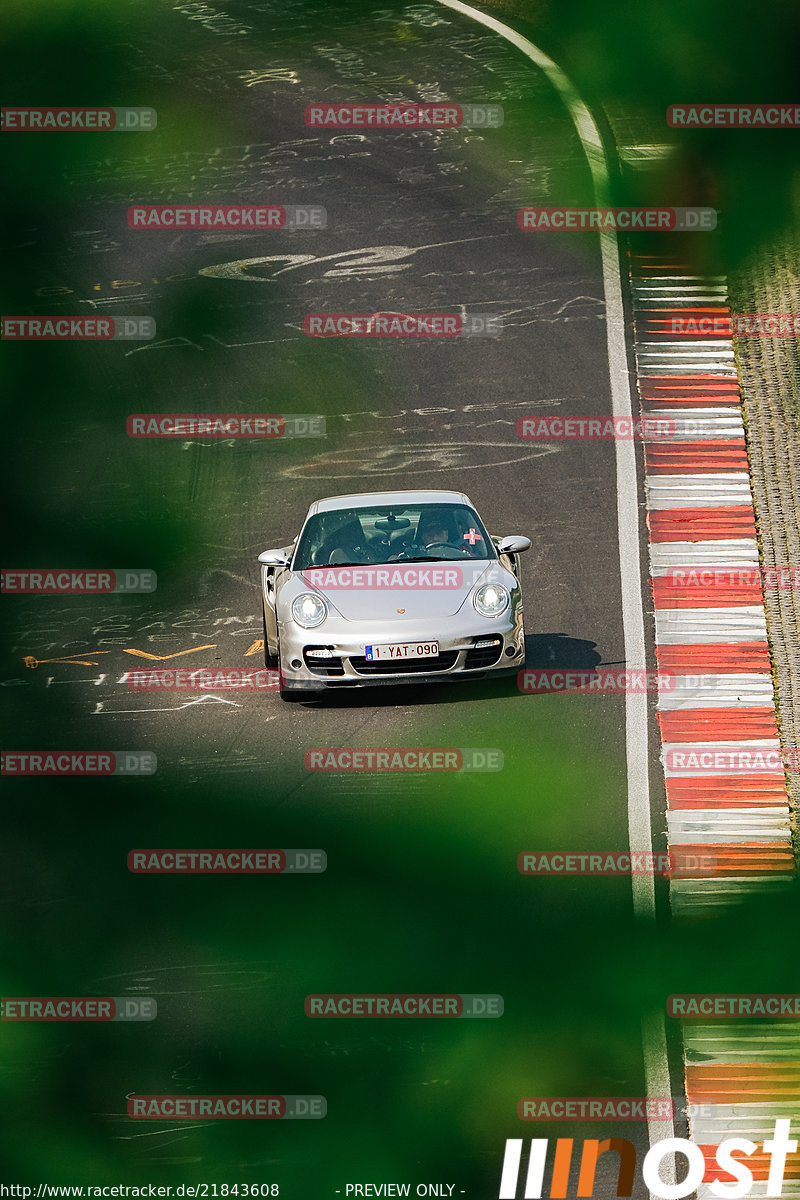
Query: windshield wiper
{"x":333,"y":566}
{"x":420,"y":558}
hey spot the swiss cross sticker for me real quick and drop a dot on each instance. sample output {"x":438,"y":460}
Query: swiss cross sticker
{"x":471,"y":537}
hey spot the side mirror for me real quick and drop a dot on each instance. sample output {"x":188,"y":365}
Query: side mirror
{"x":514,"y":544}
{"x":273,"y":558}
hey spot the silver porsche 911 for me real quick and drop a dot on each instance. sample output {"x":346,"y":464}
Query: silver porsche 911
{"x":391,"y":588}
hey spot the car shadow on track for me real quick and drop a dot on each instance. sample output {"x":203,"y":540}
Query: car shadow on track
{"x":554,"y":650}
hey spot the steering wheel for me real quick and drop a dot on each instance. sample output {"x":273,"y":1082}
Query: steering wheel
{"x":356,"y":549}
{"x":454,"y":550}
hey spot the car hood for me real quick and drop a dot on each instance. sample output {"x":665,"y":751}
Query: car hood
{"x":433,"y":589}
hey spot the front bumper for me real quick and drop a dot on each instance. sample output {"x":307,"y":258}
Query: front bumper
{"x":346,"y":667}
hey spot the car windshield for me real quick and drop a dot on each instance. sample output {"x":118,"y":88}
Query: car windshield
{"x":391,"y":533}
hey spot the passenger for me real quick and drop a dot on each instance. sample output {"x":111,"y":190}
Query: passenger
{"x":349,"y":545}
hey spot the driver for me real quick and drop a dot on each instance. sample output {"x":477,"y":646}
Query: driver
{"x":434,"y":529}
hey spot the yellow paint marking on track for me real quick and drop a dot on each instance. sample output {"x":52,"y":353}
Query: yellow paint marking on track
{"x":32,"y":663}
{"x":164,"y":657}
{"x":254,"y":649}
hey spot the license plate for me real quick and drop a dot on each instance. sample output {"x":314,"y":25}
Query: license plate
{"x":399,"y":650}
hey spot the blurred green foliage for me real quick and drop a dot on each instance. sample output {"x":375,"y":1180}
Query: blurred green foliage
{"x":422,"y":892}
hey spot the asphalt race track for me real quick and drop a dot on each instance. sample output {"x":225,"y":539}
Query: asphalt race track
{"x":421,"y":890}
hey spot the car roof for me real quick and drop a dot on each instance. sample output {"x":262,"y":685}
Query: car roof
{"x":366,"y":499}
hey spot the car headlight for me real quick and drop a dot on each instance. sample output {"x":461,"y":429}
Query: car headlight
{"x":491,"y":599}
{"x":309,"y":610}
